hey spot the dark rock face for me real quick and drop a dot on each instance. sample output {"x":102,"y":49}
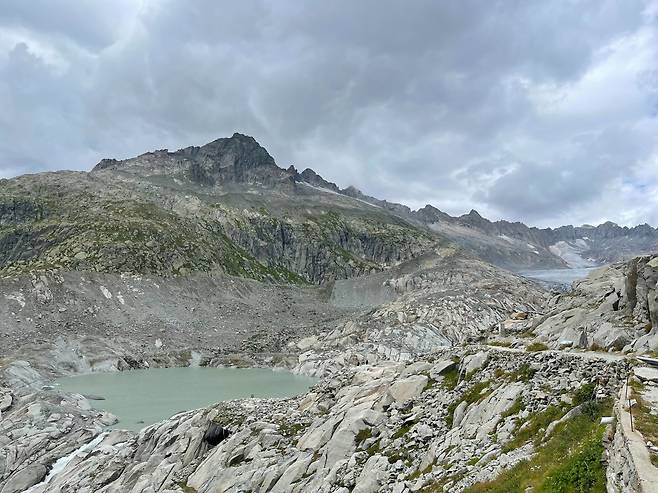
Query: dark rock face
{"x":312,"y":178}
{"x":641,"y":277}
{"x":430,"y":214}
{"x":215,"y":434}
{"x":327,"y":249}
{"x":15,"y":210}
{"x":236,"y":159}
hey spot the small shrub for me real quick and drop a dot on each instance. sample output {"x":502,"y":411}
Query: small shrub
{"x":450,"y":379}
{"x":516,"y":408}
{"x":374,"y":448}
{"x":403,"y":430}
{"x":499,"y":343}
{"x":363,"y":435}
{"x":536,"y":421}
{"x":654,"y":459}
{"x":536,"y":346}
{"x":523,"y":373}
{"x":584,"y":393}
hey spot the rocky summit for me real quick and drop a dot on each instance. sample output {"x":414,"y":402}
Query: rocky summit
{"x":439,"y":369}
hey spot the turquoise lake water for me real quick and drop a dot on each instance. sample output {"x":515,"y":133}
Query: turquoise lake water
{"x":143,"y":397}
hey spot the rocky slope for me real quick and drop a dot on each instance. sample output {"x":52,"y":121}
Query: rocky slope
{"x":614,"y":308}
{"x":403,"y":404}
{"x":72,"y":321}
{"x":445,"y":422}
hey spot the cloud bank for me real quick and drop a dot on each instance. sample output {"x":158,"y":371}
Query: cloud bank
{"x":545,"y":112}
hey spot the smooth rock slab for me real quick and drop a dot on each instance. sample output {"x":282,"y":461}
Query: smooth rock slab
{"x":25,"y":478}
{"x":646,"y":374}
{"x":408,"y":388}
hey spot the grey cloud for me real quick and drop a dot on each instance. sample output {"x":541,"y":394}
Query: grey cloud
{"x":452,"y":103}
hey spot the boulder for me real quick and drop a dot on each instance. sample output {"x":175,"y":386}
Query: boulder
{"x":343,"y":441}
{"x":458,"y":414}
{"x":474,"y":362}
{"x":6,"y":399}
{"x":577,"y":337}
{"x":215,"y":434}
{"x":646,"y":374}
{"x":408,"y":388}
{"x":318,"y":434}
{"x":24,"y":479}
{"x":441,"y":367}
{"x":373,"y":475}
{"x":415,"y":368}
{"x":108,"y":419}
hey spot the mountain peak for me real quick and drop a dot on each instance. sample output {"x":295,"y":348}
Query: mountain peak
{"x":236,"y":159}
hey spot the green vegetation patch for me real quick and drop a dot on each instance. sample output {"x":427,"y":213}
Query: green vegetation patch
{"x":645,"y":422}
{"x":474,"y":394}
{"x":569,"y":462}
{"x":363,"y":435}
{"x":403,"y":430}
{"x":532,"y":427}
{"x":524,"y":373}
{"x":536,"y":346}
{"x":515,"y":408}
{"x":450,"y":378}
{"x":186,"y":489}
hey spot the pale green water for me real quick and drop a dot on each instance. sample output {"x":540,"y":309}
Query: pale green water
{"x":143,"y":397}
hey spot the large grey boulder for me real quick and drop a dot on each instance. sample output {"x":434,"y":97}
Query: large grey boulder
{"x":441,"y":367}
{"x":6,"y":399}
{"x":25,"y":478}
{"x":408,"y":388}
{"x":646,"y":374}
{"x":373,"y":475}
{"x":474,"y":362}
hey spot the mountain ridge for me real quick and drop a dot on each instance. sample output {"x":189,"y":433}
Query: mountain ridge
{"x":311,"y":177}
{"x":227,"y":205}
{"x":563,"y":246}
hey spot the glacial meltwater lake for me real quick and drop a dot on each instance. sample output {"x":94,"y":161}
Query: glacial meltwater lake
{"x":143,"y":397}
{"x":558,"y":277}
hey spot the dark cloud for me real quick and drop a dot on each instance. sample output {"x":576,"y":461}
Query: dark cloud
{"x":531,"y":110}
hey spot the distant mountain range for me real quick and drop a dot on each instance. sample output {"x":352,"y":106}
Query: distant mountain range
{"x":513,"y":244}
{"x":227,"y":206}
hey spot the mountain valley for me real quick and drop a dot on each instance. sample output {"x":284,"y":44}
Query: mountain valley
{"x":439,"y":368}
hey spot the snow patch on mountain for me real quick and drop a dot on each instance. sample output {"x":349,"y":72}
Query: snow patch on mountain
{"x":572,"y":253}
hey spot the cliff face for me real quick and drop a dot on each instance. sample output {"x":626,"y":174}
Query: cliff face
{"x":640,"y":279}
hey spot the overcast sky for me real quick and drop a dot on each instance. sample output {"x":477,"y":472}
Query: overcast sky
{"x":545,"y":112}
